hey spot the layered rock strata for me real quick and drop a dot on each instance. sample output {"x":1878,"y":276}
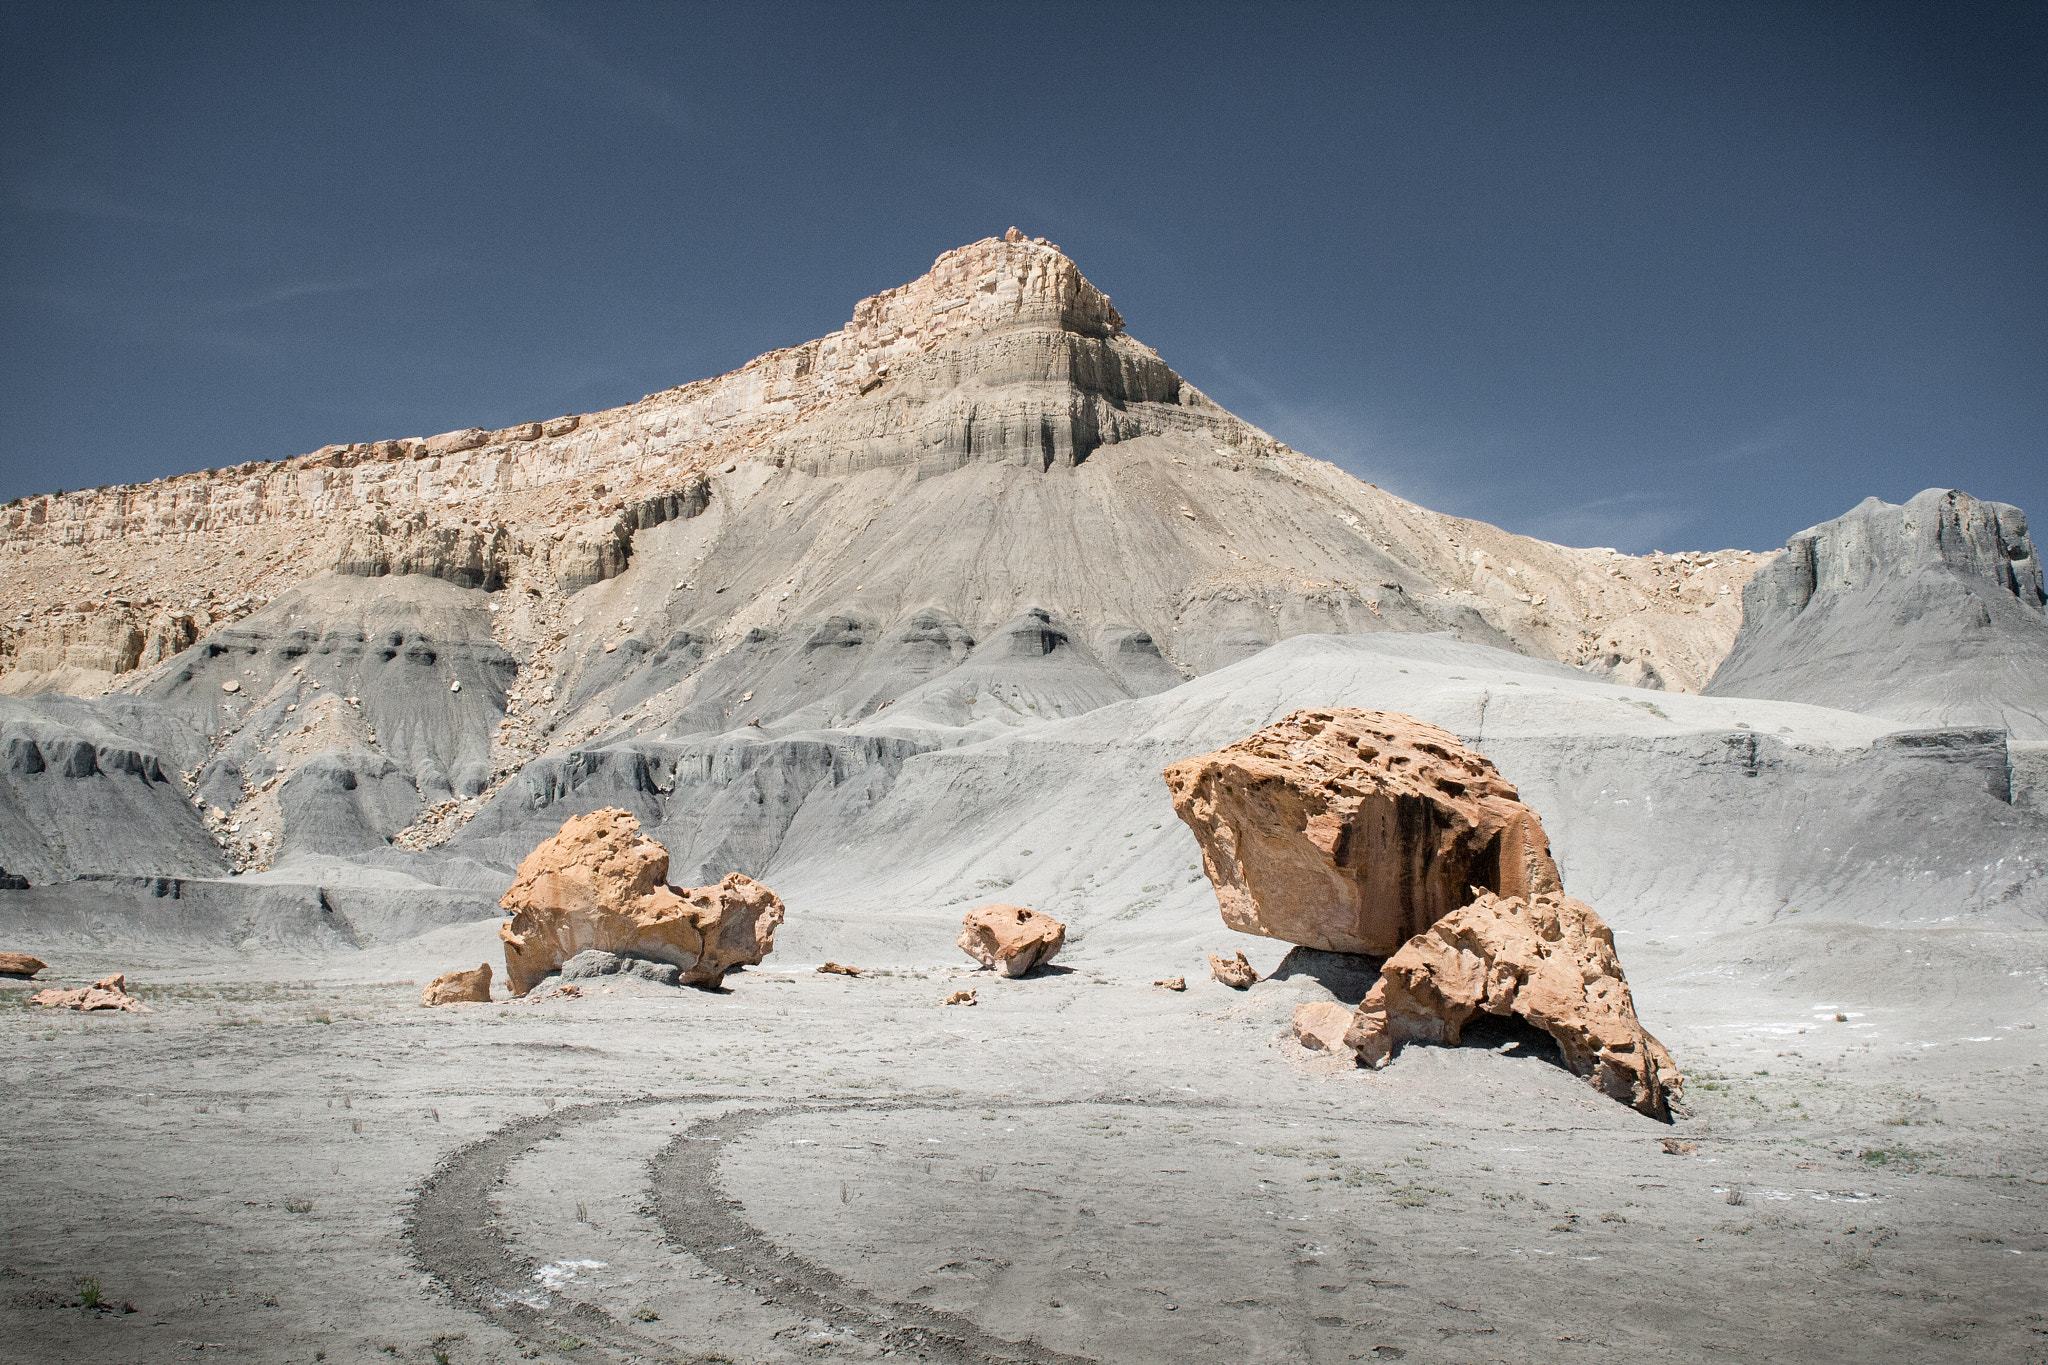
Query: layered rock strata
{"x":1930,"y":611}
{"x":1547,"y":959}
{"x":1010,"y":939}
{"x":1351,"y":831}
{"x":599,"y":883}
{"x":1002,"y":357}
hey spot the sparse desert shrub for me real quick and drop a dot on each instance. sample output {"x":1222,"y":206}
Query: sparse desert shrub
{"x":89,"y":1292}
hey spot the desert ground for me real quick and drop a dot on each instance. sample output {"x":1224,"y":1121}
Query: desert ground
{"x":295,"y":1161}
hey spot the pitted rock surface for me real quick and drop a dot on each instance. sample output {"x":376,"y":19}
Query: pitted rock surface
{"x":600,"y":883}
{"x":1546,"y":958}
{"x":1010,"y":939}
{"x":1351,"y":831}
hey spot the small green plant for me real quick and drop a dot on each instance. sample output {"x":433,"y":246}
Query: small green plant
{"x":89,"y":1292}
{"x":646,"y":1314}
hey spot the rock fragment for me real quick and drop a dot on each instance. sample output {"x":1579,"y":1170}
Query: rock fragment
{"x":1351,"y":831}
{"x":1547,"y":959}
{"x":600,"y":883}
{"x":20,"y":964}
{"x":839,"y":969}
{"x":1173,"y":983}
{"x":592,"y":963}
{"x":1010,"y":939}
{"x":12,"y":881}
{"x":963,"y":998}
{"x":1320,"y":1025}
{"x":1235,"y":973}
{"x":107,"y":993}
{"x":459,"y":987}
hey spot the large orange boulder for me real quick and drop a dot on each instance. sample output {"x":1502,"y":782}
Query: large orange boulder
{"x":20,"y":964}
{"x":1011,"y":939}
{"x":460,"y":987}
{"x":600,"y":883}
{"x":1545,"y":958}
{"x":1352,"y":831}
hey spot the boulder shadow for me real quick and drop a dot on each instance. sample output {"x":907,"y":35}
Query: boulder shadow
{"x":1347,"y":976}
{"x":1510,"y":1035}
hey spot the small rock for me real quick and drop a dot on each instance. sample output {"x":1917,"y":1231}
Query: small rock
{"x":595,"y":962}
{"x":1675,"y":1147}
{"x":230,"y":686}
{"x":962,"y":998}
{"x":839,"y":969}
{"x":20,"y":964}
{"x":1173,"y":983}
{"x":455,"y":687}
{"x":1236,"y":974}
{"x":1320,"y":1025}
{"x":459,"y":987}
{"x":107,"y":993}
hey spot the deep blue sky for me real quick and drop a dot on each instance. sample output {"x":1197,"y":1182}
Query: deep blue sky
{"x":1644,"y":275}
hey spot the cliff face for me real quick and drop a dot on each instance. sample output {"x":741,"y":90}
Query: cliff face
{"x":1930,"y":611}
{"x":978,"y":503}
{"x":1002,"y":355}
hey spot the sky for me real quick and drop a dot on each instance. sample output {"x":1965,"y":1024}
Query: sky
{"x":1654,"y":276}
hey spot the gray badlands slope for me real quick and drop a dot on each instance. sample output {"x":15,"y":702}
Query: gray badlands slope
{"x":907,"y":620}
{"x":981,"y":499}
{"x":1930,"y":611}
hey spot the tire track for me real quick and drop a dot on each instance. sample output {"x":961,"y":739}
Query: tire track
{"x":699,"y":1217}
{"x":456,"y":1239}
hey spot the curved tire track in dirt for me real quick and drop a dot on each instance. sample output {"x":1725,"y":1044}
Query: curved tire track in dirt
{"x":456,"y":1239}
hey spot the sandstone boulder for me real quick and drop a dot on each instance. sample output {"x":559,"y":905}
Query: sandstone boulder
{"x":107,"y":993}
{"x":1234,"y":972}
{"x":460,"y":987}
{"x":1011,"y":939}
{"x":1351,"y":831}
{"x":1320,"y":1025}
{"x":20,"y":964}
{"x":1547,"y":959}
{"x":600,"y":883}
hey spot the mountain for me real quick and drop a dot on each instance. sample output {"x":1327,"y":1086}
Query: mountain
{"x":980,"y":503}
{"x":1929,"y":611}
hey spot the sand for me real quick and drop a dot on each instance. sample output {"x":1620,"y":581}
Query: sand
{"x":278,"y":1162}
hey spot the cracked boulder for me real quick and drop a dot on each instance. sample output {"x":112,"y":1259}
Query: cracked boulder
{"x":1010,"y":939}
{"x":601,"y":884}
{"x":1352,"y":831}
{"x":1547,"y":959}
{"x":107,"y":993}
